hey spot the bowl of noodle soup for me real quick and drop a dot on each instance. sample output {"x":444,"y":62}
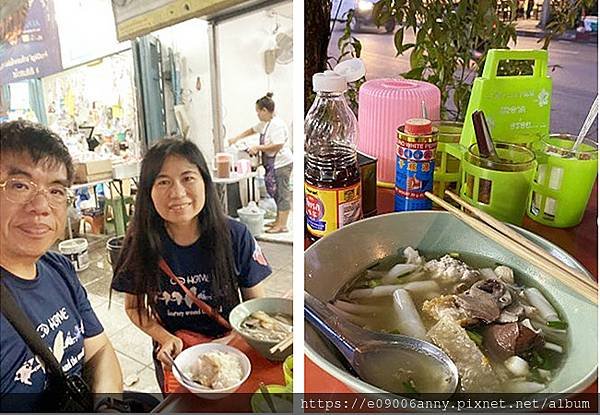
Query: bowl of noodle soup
{"x":263,"y":323}
{"x":429,"y":262}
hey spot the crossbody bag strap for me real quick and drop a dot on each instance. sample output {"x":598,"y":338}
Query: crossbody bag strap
{"x":24,"y":327}
{"x":207,"y":309}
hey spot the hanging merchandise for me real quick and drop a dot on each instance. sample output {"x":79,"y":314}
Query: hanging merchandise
{"x":332,"y":195}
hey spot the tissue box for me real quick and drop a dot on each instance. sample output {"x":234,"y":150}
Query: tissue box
{"x":93,"y":170}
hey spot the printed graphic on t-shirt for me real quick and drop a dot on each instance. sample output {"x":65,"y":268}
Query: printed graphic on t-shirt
{"x":28,"y":368}
{"x":179,"y":304}
{"x":258,"y":256}
{"x":65,"y":339}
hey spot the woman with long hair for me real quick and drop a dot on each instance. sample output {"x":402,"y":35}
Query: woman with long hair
{"x":179,"y":219}
{"x":277,"y":158}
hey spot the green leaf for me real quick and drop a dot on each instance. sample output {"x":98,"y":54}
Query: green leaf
{"x":377,"y":9}
{"x":414,"y":73}
{"x":407,"y":46}
{"x":374,"y":283}
{"x":398,"y":39}
{"x":535,"y":376}
{"x":409,"y":386}
{"x":476,"y":337}
{"x":557,"y":324}
{"x":416,"y":57}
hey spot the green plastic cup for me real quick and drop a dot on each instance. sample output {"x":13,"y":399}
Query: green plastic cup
{"x":499,"y":187}
{"x":446,"y":175}
{"x":281,"y":397}
{"x":288,"y":371}
{"x":563,"y":181}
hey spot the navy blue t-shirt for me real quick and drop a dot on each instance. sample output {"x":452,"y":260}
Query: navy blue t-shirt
{"x":192,"y":264}
{"x":58,"y":307}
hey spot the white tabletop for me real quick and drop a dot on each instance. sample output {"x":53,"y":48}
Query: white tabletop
{"x":234,"y":178}
{"x":89,"y":184}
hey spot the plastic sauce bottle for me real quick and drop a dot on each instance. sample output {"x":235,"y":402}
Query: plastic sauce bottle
{"x":415,"y":162}
{"x":332,"y":194}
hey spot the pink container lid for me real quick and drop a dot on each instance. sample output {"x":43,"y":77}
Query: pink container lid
{"x":385,"y":105}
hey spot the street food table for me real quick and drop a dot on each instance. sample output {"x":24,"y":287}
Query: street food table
{"x":263,"y":370}
{"x":580,"y":241}
{"x":222,"y":184}
{"x":115,"y":184}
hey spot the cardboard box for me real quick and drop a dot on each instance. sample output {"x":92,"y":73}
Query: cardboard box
{"x":91,"y":171}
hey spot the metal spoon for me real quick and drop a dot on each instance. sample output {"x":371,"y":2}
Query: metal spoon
{"x":184,"y":377}
{"x":591,"y":117}
{"x":361,"y":348}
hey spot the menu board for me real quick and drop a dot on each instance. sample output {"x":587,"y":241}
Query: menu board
{"x":139,"y":17}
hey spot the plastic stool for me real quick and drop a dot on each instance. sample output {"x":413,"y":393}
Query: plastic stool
{"x":119,"y":216}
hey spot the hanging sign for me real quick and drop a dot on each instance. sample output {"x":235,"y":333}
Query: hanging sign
{"x":29,"y":45}
{"x":140,"y":17}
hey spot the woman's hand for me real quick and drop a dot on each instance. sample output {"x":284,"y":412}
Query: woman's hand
{"x":172,"y":346}
{"x":253,"y":150}
{"x":232,"y":141}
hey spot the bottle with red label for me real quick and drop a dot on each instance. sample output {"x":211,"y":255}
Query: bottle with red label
{"x":332,"y":194}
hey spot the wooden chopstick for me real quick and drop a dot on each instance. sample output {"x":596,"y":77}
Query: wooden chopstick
{"x":512,"y":234}
{"x":283,"y":344}
{"x":552,"y":270}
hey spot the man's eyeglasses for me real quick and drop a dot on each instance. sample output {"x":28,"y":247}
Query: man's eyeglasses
{"x":24,"y":191}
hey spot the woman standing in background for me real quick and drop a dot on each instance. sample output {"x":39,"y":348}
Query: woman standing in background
{"x":277,"y":158}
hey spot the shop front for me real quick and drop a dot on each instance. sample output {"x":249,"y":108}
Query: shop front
{"x":111,"y":100}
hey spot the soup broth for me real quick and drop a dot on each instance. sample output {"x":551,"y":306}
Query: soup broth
{"x":412,"y":372}
{"x":472,"y":308}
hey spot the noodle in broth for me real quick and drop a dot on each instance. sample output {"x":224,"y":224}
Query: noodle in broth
{"x":502,"y":336}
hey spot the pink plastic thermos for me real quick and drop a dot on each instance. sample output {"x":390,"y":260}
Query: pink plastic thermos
{"x":385,"y":105}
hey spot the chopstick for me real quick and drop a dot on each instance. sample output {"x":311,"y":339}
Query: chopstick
{"x":589,"y":292}
{"x":283,"y":344}
{"x":512,"y":234}
{"x":265,"y":392}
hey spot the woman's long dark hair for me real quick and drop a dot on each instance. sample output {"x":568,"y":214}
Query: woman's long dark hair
{"x":142,"y":246}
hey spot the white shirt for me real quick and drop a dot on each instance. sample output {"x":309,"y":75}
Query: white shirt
{"x":276,"y":132}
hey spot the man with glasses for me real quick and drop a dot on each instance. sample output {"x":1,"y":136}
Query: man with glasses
{"x":35,"y":174}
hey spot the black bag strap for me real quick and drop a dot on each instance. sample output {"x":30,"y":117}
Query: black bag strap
{"x":23,"y":326}
{"x":77,"y":397}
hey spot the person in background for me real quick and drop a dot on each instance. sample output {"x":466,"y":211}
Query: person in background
{"x":530,"y":5}
{"x":35,"y":174}
{"x":277,"y":158}
{"x":178,"y":218}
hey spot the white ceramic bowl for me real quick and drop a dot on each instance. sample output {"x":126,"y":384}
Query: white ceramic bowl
{"x":365,"y":242}
{"x":268,"y":305}
{"x":189,"y":357}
